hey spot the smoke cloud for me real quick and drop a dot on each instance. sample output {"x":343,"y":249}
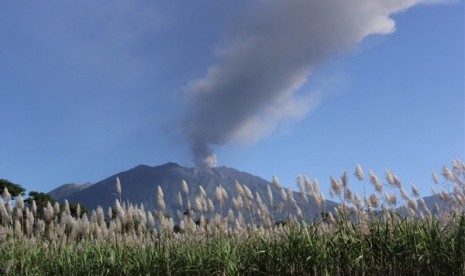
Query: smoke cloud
{"x":267,"y":58}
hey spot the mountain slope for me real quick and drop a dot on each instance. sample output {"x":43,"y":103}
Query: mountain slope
{"x":139,"y":185}
{"x":66,"y":190}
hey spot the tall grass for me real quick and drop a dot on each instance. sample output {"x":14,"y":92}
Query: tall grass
{"x":390,"y":231}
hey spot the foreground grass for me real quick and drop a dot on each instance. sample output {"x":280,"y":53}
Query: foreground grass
{"x":390,"y":232}
{"x":408,"y":247}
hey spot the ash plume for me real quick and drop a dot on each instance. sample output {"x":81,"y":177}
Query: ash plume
{"x":266,"y":59}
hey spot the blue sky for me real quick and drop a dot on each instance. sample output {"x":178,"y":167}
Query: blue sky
{"x":88,"y":90}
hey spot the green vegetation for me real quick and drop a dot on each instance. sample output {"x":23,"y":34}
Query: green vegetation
{"x":14,"y":189}
{"x":389,"y":232}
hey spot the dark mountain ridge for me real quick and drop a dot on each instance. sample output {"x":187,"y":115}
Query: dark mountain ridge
{"x":139,"y":186}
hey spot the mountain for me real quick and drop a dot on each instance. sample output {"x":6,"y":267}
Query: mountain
{"x":66,"y":190}
{"x":433,"y":200}
{"x":139,"y":185}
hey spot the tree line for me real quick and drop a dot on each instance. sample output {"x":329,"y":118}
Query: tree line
{"x":40,"y":199}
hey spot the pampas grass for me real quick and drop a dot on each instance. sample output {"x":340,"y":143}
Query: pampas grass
{"x":388,"y":231}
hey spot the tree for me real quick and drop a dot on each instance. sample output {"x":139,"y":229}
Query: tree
{"x":13,"y":189}
{"x":41,"y":200}
{"x":74,"y":210}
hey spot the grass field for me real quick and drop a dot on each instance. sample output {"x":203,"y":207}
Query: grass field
{"x":390,"y":231}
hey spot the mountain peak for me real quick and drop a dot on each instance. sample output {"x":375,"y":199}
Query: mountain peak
{"x":171,"y":165}
{"x":65,"y":190}
{"x":139,"y":186}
